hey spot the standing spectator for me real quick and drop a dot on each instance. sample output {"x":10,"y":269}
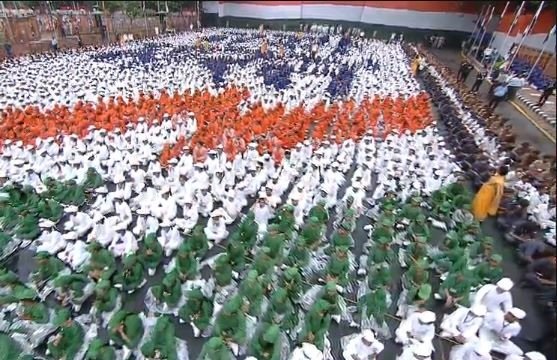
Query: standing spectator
{"x":546,"y":93}
{"x":8,"y":49}
{"x":54,"y":43}
{"x":79,"y":42}
{"x":480,"y":76}
{"x":464,"y":71}
{"x":499,"y":94}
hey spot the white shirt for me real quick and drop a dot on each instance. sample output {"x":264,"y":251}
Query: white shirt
{"x":361,"y":350}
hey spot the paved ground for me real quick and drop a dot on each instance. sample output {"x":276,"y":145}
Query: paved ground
{"x":527,"y":98}
{"x":524,"y":128}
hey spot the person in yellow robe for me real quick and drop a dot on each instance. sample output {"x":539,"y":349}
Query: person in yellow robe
{"x":487,"y":199}
{"x":415,"y":65}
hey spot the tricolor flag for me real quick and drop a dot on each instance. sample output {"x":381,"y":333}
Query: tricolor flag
{"x":530,"y":26}
{"x":516,"y":17}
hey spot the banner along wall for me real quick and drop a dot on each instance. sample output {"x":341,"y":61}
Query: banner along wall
{"x":456,"y":16}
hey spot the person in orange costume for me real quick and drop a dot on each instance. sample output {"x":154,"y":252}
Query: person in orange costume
{"x":487,"y":199}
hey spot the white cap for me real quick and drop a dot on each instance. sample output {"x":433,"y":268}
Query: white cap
{"x":479,"y":310}
{"x":218,"y":212}
{"x":422,"y":349}
{"x":517,"y":313}
{"x":505,"y":284}
{"x":534,"y":355}
{"x":311,"y":351}
{"x":368,"y":335}
{"x":427,"y":317}
{"x":482,"y":348}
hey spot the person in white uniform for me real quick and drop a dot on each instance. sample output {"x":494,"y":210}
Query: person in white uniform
{"x":498,"y":330}
{"x":476,"y":350}
{"x":306,"y":352}
{"x":495,"y":297}
{"x":417,"y":351}
{"x":463,"y":324}
{"x":419,"y":326}
{"x":532,"y":355}
{"x":363,"y":346}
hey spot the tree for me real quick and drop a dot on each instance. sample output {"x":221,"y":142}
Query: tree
{"x":133,"y":10}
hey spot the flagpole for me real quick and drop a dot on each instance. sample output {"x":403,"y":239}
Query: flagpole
{"x":474,"y":33}
{"x":511,"y":27}
{"x":537,"y":60}
{"x":484,"y":31}
{"x":526,"y":33}
{"x":549,"y":35}
{"x":484,"y":18}
{"x":501,"y":19}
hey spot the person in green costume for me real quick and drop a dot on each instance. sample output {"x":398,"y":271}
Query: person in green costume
{"x":330,"y":294}
{"x":99,"y":350}
{"x":247,"y":231}
{"x":419,"y":227}
{"x":412,"y":209}
{"x":298,"y":254}
{"x":482,"y":249}
{"x":418,"y":295}
{"x":281,"y":310}
{"x":489,"y":272}
{"x":216,"y":349}
{"x":223,"y":270}
{"x":319,"y":211}
{"x":316,"y":324}
{"x":230,"y":323}
{"x":252,"y":289}
{"x":50,"y":209}
{"x":71,"y":287}
{"x":101,"y":263}
{"x":13,"y":289}
{"x":383,"y":229}
{"x":11,"y":350}
{"x":266,"y":345}
{"x":455,"y":289}
{"x":349,"y":218}
{"x":416,"y":250}
{"x":285,"y":220}
{"x":105,"y":296}
{"x":373,"y":305}
{"x":162,"y":342}
{"x":291,"y":281}
{"x":169,"y":291}
{"x":236,"y":252}
{"x":34,"y":311}
{"x":380,"y":275}
{"x":132,"y":274}
{"x":416,"y":275}
{"x":198,"y":311}
{"x":344,"y":207}
{"x":186,"y":263}
{"x":68,"y":339}
{"x":93,"y":179}
{"x":125,"y":329}
{"x":312,"y":233}
{"x":444,"y":261}
{"x":28,"y":228}
{"x":275,"y":241}
{"x":263,"y":261}
{"x":198,"y":241}
{"x":151,"y":253}
{"x":381,"y":252}
{"x":338,"y":267}
{"x":341,"y":237}
{"x":48,"y":267}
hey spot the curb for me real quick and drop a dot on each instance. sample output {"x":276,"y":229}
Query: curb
{"x":532,"y":106}
{"x":520,"y":109}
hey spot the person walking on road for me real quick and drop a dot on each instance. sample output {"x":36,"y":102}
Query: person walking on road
{"x":499,"y":94}
{"x":480,"y":76}
{"x":546,"y":93}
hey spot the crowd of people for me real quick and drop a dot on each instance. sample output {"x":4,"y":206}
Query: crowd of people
{"x":238,"y":172}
